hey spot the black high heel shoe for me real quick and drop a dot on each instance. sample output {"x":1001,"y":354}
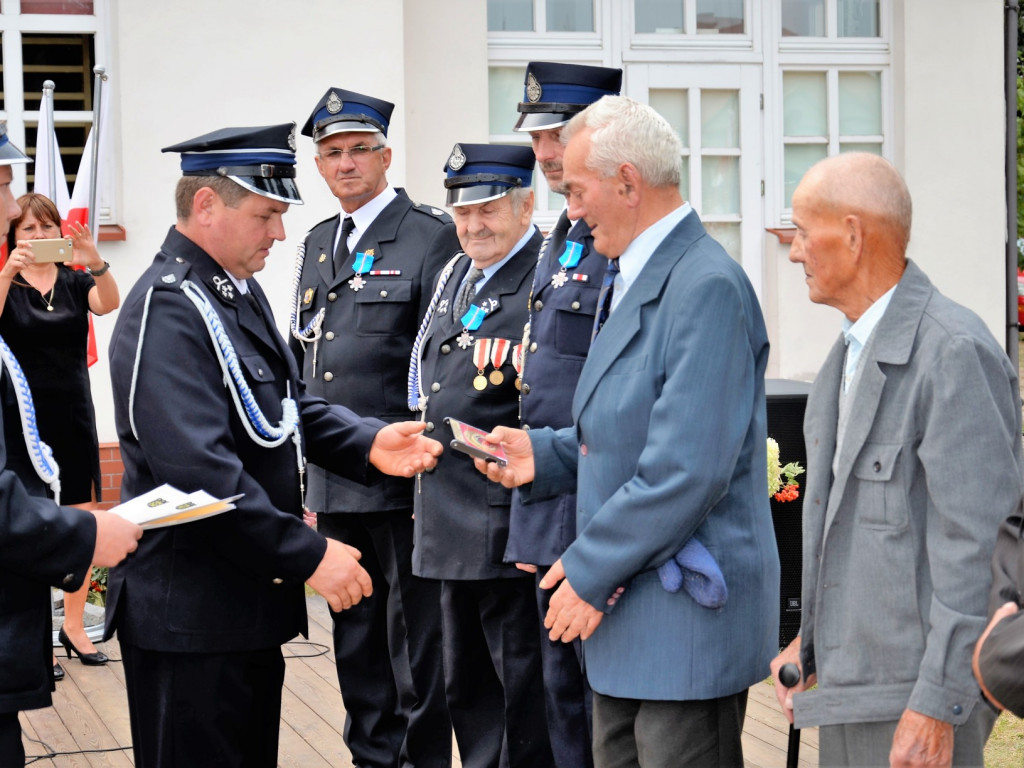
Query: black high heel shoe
{"x":88,"y":659}
{"x":58,"y":672}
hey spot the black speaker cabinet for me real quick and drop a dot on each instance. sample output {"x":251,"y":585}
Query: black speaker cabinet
{"x":786,"y":403}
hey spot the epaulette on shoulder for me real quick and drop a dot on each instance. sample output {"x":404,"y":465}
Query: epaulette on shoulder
{"x":171,"y":275}
{"x":431,"y":211}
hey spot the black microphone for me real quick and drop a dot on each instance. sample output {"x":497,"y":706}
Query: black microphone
{"x":789,"y":675}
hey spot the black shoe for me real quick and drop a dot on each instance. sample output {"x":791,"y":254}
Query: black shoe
{"x":88,"y":659}
{"x":58,"y":672}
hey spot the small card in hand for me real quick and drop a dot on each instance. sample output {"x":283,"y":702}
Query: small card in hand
{"x":470,"y":439}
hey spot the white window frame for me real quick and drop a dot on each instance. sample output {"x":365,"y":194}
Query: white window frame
{"x":831,"y":55}
{"x":14,"y":24}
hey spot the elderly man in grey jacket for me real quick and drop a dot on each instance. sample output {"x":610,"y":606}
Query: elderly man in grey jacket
{"x":913,"y":433}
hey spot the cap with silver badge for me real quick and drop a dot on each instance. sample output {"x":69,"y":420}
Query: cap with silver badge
{"x":341,"y":111}
{"x":261,"y":159}
{"x":477,"y":173}
{"x":10,"y":154}
{"x":554,"y":92}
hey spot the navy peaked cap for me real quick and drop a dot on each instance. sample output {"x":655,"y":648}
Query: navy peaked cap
{"x":341,"y":111}
{"x":476,"y":173}
{"x":261,"y":159}
{"x":554,"y":92}
{"x":10,"y":154}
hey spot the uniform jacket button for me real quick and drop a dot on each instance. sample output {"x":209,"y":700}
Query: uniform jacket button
{"x":575,"y":305}
{"x":526,"y":427}
{"x":538,"y":305}
{"x":383,"y":294}
{"x":430,"y":426}
{"x":329,"y":335}
{"x":278,"y":580}
{"x":877,"y":466}
{"x":533,"y":347}
{"x":526,"y":389}
{"x":445,"y":349}
{"x":957,"y":709}
{"x":332,"y":296}
{"x":328,"y":376}
{"x":435,"y":387}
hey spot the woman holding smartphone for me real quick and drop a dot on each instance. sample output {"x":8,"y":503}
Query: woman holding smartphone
{"x":44,"y":318}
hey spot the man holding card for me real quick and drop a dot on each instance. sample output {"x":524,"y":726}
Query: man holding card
{"x":207,"y":396}
{"x":466,"y":364}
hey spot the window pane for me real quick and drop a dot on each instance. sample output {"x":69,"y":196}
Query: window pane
{"x":570,"y":15}
{"x":510,"y":15}
{"x":728,"y":234}
{"x":860,"y":103}
{"x":660,"y":16}
{"x":855,"y":146}
{"x":725,"y":16}
{"x":800,"y":157}
{"x":803,"y":18}
{"x":504,"y":92}
{"x":672,"y":105}
{"x":684,"y":179}
{"x":721,"y":185}
{"x":67,"y":60}
{"x":804,"y":104}
{"x":858,"y":18}
{"x":80,"y":7}
{"x":720,"y":118}
{"x":556,"y":202}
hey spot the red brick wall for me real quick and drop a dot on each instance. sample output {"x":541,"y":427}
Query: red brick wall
{"x":111,"y":470}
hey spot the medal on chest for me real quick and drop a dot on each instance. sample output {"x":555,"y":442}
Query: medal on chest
{"x":499,"y":352}
{"x":481,"y":354}
{"x":472,"y":320}
{"x":569,"y":259}
{"x":517,"y":363}
{"x":363,"y":262}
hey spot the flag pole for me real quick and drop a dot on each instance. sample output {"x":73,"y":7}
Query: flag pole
{"x":97,"y":102}
{"x":51,"y":145}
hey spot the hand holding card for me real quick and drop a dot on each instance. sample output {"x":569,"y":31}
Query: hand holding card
{"x":471,"y":440}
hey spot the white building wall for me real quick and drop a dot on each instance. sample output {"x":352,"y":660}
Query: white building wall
{"x":949,"y":144}
{"x":178,"y":73}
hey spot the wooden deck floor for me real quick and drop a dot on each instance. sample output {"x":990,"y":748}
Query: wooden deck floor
{"x":89,"y":716}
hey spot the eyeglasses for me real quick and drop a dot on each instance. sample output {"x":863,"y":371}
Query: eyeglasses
{"x":356,"y":153}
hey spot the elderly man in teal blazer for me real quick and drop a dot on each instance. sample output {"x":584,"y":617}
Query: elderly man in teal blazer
{"x":668,"y":444}
{"x":913,"y":432}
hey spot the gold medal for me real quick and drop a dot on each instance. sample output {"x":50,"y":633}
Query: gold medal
{"x":519,"y":382}
{"x":480,"y":383}
{"x":497,"y":377}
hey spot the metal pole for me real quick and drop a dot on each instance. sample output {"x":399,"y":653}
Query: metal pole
{"x":51,"y":145}
{"x":97,"y":103}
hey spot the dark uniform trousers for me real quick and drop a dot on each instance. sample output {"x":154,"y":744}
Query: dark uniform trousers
{"x":493,"y":675}
{"x":40,"y":545}
{"x":387,"y":648}
{"x":561,"y":323}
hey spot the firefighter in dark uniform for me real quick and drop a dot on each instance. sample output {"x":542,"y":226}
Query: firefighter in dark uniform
{"x":363,"y":284}
{"x":207,"y":397}
{"x":465,"y":365}
{"x":562,"y":307}
{"x":41,"y":544}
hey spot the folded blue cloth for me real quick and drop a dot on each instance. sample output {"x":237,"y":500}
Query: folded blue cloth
{"x":694,"y":569}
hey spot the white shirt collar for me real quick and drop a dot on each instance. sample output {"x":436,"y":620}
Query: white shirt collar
{"x":363,"y":216}
{"x":639,"y":251}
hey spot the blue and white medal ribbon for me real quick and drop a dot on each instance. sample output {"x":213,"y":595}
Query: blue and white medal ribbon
{"x":572,"y":254}
{"x":39,"y":453}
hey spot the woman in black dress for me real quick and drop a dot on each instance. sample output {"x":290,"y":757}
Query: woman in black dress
{"x":44,"y":317}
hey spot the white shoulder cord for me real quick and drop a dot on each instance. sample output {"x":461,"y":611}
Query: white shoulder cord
{"x":313,"y":330}
{"x":38,"y":452}
{"x":259,"y":429}
{"x":417,"y":399}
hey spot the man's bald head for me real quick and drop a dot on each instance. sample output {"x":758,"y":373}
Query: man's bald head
{"x":866,"y":185}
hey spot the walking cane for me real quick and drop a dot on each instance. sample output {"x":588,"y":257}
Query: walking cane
{"x":789,"y":675}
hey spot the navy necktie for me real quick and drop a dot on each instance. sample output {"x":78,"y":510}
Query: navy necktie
{"x":604,"y":299}
{"x":467,"y":291}
{"x":342,"y":253}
